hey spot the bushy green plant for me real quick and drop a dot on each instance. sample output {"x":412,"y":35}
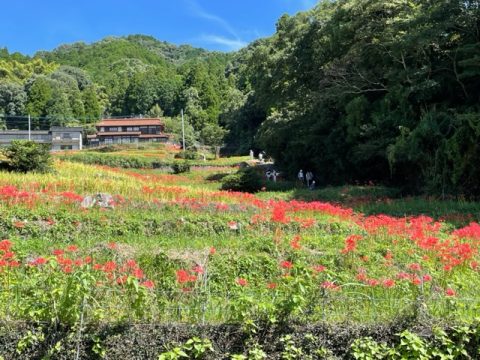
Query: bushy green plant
{"x":188,"y":155}
{"x":26,"y":156}
{"x":247,"y":180}
{"x":179,"y":168}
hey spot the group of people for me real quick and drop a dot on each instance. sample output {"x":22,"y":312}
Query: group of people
{"x":306,"y":178}
{"x":271,"y":175}
{"x":261,"y":156}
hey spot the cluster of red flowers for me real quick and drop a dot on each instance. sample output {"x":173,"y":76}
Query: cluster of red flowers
{"x":7,"y":257}
{"x":12,"y":195}
{"x":351,"y":243}
{"x":68,"y":263}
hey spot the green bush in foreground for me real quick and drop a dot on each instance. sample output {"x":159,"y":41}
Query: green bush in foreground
{"x":247,"y":180}
{"x":26,"y":156}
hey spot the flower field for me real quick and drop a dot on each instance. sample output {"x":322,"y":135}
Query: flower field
{"x":170,"y":248}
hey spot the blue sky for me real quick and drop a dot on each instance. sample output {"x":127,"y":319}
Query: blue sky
{"x":31,"y":25}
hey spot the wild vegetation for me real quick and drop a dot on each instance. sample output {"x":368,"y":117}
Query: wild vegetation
{"x":175,"y":248}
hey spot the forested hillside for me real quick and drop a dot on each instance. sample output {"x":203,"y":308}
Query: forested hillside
{"x":134,"y":75}
{"x":355,"y":90}
{"x":362,"y":90}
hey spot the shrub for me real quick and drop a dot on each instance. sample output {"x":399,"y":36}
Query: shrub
{"x":188,"y":155}
{"x":25,"y":156}
{"x":179,"y":168}
{"x":247,"y":180}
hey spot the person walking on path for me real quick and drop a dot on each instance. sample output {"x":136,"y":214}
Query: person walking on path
{"x":300,"y":176}
{"x":309,"y":177}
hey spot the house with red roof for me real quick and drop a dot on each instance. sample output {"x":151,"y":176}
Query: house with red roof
{"x":128,"y":131}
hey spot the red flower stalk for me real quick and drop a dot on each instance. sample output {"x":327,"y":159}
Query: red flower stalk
{"x":450,"y":292}
{"x":242,"y":282}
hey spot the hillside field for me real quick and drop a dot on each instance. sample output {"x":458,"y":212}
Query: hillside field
{"x":173,"y":248}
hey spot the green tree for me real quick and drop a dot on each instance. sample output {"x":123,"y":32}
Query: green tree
{"x":26,"y":156}
{"x":12,"y":99}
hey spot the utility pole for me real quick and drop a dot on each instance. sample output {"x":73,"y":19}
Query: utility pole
{"x":29,"y":128}
{"x":183,"y":131}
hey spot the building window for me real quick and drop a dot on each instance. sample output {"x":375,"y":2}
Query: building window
{"x":114,"y":129}
{"x":66,"y":147}
{"x":108,"y":141}
{"x":66,"y":136}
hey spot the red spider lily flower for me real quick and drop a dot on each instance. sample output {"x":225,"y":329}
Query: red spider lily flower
{"x":88,"y":260}
{"x":241,"y":282}
{"x":8,"y":254}
{"x":212,"y":251}
{"x":329,"y":285}
{"x":198,"y":269}
{"x":132,"y":264}
{"x":122,"y":280}
{"x":319,"y":268}
{"x":415,"y":267}
{"x":72,"y":248}
{"x":97,"y":266}
{"x":112,"y":245}
{"x":38,"y":261}
{"x":183,"y":276}
{"x":286,"y":264}
{"x":67,"y":269}
{"x":361,"y":276}
{"x":272,"y":285}
{"x":138,"y":273}
{"x":471,"y":231}
{"x":233,"y":225}
{"x":427,"y":278}
{"x":416,"y":280}
{"x":388,"y":255}
{"x":279,"y":213}
{"x":373,"y":282}
{"x":474,"y":265}
{"x":450,"y":292}
{"x":149,"y":284}
{"x":5,"y":245}
{"x":351,"y":243}
{"x":388,"y":283}
{"x":58,"y":252}
{"x":14,"y":264}
{"x":295,"y":243}
{"x":403,"y":276}
{"x":109,"y":266}
{"x":3,"y":263}
{"x":78,"y":262}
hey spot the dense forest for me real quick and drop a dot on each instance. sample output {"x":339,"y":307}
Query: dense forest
{"x":354,"y":90}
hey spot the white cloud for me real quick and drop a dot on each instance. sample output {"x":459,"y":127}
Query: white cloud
{"x":230,"y":44}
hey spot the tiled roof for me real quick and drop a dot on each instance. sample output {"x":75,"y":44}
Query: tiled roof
{"x":129,"y":122}
{"x":121,"y":133}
